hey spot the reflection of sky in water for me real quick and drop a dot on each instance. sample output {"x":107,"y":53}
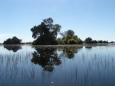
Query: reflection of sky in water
{"x":89,"y":67}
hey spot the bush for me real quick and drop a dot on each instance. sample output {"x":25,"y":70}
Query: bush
{"x":13,"y":40}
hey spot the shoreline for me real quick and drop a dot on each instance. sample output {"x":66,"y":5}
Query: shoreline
{"x":67,"y":45}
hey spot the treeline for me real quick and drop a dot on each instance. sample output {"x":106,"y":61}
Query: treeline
{"x":90,"y":40}
{"x":46,"y":34}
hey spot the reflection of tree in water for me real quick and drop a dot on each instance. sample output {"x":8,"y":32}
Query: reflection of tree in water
{"x":88,"y":47}
{"x":70,"y":51}
{"x":13,"y":48}
{"x":46,"y":57}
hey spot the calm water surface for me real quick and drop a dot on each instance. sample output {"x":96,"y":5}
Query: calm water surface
{"x":50,"y":66}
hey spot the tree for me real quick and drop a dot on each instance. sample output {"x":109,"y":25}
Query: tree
{"x":88,"y":40}
{"x":69,"y":37}
{"x":69,"y":33}
{"x":46,"y":32}
{"x":101,"y":41}
{"x":13,"y":40}
{"x":60,"y":41}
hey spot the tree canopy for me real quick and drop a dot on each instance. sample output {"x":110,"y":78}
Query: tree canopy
{"x":46,"y":32}
{"x":88,"y":40}
{"x":13,"y":40}
{"x":69,"y":37}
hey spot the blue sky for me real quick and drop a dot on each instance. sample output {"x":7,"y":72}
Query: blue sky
{"x":88,"y":18}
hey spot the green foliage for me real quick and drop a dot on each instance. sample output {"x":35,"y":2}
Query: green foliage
{"x":60,"y":41}
{"x":13,"y":40}
{"x":46,"y":32}
{"x":88,"y":40}
{"x":69,"y":38}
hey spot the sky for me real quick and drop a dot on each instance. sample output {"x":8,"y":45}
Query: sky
{"x":87,"y":18}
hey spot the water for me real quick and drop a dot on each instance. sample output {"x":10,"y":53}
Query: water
{"x":49,"y":66}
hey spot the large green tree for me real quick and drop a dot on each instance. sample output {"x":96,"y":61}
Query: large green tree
{"x":69,"y":37}
{"x":46,"y":32}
